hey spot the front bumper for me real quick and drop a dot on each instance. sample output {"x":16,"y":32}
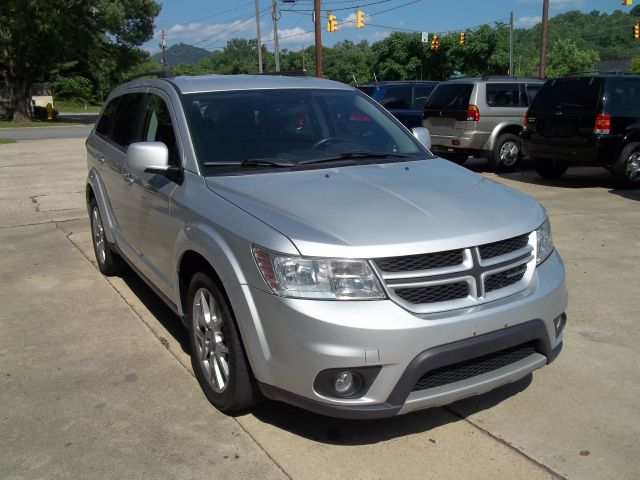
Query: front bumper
{"x":290,"y":341}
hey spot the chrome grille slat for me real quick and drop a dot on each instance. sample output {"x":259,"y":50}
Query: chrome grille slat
{"x":451,"y":279}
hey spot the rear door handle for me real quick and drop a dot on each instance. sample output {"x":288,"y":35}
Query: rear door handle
{"x":101,"y":159}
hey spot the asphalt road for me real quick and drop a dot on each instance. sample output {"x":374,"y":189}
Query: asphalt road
{"x":95,"y":381}
{"x":84,"y":123}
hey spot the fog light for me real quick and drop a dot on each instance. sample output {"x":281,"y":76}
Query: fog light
{"x":559,"y":322}
{"x":344,"y":383}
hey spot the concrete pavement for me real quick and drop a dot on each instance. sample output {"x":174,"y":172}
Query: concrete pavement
{"x":100,"y":364}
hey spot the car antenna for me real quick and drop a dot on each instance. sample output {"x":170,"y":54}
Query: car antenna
{"x":374,"y":77}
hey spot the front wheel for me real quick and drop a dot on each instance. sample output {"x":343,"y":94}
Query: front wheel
{"x":506,"y":155}
{"x":627,"y":167}
{"x":217,"y":356}
{"x":550,"y":168}
{"x":109,"y":263}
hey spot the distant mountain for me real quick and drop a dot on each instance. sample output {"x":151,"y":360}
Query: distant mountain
{"x":182,"y":53}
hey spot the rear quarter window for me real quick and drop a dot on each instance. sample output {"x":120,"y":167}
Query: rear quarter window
{"x":503,"y":94}
{"x":622,"y":97}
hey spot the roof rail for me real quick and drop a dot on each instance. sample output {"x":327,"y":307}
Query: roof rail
{"x":156,"y":74}
{"x":509,"y":77}
{"x":288,"y":73}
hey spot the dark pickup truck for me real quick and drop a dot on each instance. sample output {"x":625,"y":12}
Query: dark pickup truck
{"x":404,"y":99}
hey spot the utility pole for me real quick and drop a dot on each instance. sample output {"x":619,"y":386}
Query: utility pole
{"x":163,"y":47}
{"x":258,"y":37}
{"x":511,"y":45}
{"x":302,"y":50}
{"x":318,"y":28}
{"x":274,"y":17}
{"x":543,"y":46}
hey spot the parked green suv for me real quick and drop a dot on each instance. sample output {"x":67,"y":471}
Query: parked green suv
{"x":586,"y":120}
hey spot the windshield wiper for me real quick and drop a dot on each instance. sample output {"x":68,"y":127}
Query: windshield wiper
{"x":352,"y":155}
{"x":254,"y":162}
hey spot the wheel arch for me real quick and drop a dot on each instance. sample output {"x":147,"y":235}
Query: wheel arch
{"x":501,"y":129}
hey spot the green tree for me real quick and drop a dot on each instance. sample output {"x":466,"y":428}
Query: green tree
{"x":565,"y":57}
{"x":37,"y":36}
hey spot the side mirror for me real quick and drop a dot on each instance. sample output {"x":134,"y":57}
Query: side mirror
{"x":151,"y":157}
{"x":423,"y":136}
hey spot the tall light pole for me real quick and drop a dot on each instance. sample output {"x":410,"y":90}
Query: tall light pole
{"x":259,"y":38}
{"x":543,"y":46}
{"x":511,"y":44}
{"x":318,"y":29}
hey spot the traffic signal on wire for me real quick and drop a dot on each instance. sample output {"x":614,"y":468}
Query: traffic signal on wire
{"x":359,"y":18}
{"x":462,"y":38}
{"x":435,"y":42}
{"x":332,"y":24}
{"x":636,"y":30}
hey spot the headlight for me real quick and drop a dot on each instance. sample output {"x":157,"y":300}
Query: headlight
{"x":545,"y":242}
{"x":317,"y":278}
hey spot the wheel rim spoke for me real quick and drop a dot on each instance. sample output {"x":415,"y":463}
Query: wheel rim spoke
{"x":209,"y":338}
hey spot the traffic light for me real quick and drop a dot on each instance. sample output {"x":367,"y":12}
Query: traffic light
{"x":332,"y":24}
{"x":636,"y":30}
{"x":359,"y":18}
{"x":627,"y":2}
{"x":435,"y":42}
{"x":461,"y":38}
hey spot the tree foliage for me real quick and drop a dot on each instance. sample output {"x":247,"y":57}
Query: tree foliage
{"x":565,"y":57}
{"x":98,"y":37}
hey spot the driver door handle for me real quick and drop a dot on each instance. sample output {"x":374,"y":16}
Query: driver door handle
{"x":128,"y":178}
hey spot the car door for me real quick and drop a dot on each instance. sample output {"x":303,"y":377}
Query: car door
{"x":151,"y":193}
{"x":120,"y":128}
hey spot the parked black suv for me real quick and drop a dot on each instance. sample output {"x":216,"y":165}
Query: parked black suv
{"x":404,"y":99}
{"x":586,"y":120}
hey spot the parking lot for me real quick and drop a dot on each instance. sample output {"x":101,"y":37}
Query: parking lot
{"x":95,"y":381}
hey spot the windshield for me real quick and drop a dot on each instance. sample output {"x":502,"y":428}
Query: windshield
{"x":235,"y":130}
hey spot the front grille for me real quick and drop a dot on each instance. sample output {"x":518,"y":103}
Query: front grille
{"x":495,"y":249}
{"x":412,"y":263}
{"x":474,"y":367}
{"x":435,"y":293}
{"x":505,"y":278}
{"x":461,"y":278}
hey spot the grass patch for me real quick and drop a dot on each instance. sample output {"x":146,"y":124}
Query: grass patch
{"x":6,"y":140}
{"x":75,"y":107}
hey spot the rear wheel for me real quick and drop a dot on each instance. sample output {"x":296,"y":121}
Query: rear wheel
{"x":550,"y":168}
{"x":627,"y":167}
{"x":109,"y":263}
{"x":506,"y":155}
{"x":217,"y":355}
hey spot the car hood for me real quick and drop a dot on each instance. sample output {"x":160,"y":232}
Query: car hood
{"x":379,"y":210}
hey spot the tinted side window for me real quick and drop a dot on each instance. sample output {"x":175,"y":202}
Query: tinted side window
{"x":397,"y":97}
{"x":125,"y":124}
{"x":568,"y":94}
{"x":157,"y":127}
{"x":503,"y":94}
{"x":623,"y":97}
{"x":532,"y":90}
{"x":106,"y":119}
{"x":420,"y":95}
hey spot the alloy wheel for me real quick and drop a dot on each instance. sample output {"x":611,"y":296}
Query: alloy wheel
{"x":99,"y":239}
{"x":509,"y":153}
{"x":212,"y":350}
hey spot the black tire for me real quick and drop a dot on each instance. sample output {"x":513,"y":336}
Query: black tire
{"x":109,"y":262}
{"x":507,"y":154}
{"x":547,"y":168}
{"x":215,"y":344}
{"x":459,"y":158}
{"x":627,"y":168}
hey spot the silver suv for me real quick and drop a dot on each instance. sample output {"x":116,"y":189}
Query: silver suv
{"x":480,"y":117}
{"x":316,"y":251}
